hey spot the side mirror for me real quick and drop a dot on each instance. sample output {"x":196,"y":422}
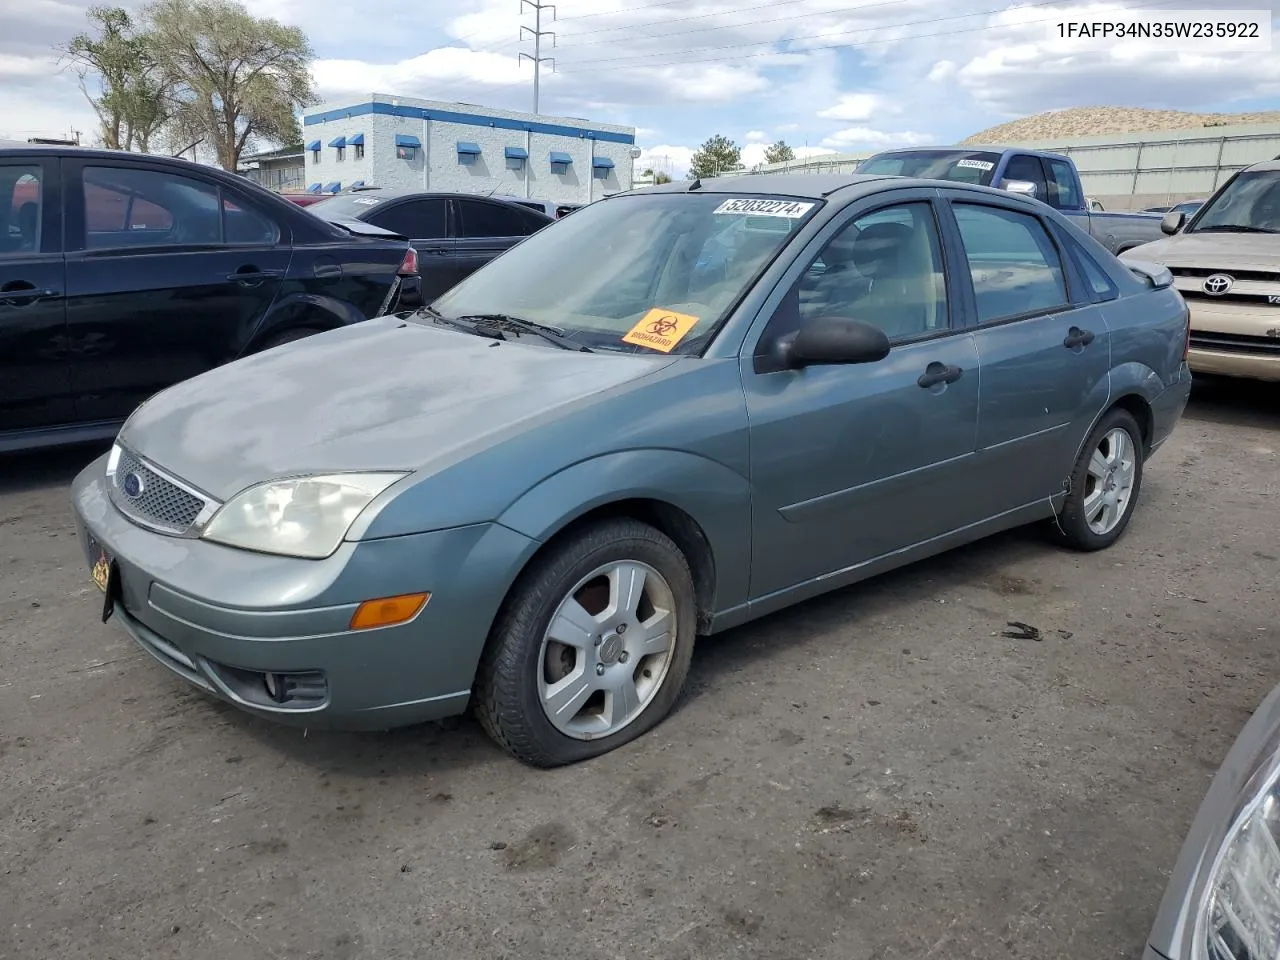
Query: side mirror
{"x":1023,"y":188}
{"x":1172,"y":222}
{"x":833,"y":340}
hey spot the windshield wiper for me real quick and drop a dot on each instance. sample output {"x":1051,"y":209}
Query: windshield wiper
{"x":461,"y":323}
{"x":499,"y":321}
{"x":1232,"y":228}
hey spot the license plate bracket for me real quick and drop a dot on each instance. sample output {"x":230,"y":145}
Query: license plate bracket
{"x":106,"y":576}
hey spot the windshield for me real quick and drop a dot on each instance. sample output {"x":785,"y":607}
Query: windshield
{"x":961,"y":166}
{"x":1248,"y":204}
{"x":345,"y":206}
{"x":638,"y":273}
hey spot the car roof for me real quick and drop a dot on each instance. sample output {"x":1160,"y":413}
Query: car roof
{"x":398,"y":194}
{"x":812,"y":186}
{"x":1266,"y":166}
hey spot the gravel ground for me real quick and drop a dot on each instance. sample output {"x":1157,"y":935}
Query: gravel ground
{"x":877,"y":773}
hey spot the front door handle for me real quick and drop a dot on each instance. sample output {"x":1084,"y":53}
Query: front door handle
{"x":937,"y":373}
{"x":1077,"y":338}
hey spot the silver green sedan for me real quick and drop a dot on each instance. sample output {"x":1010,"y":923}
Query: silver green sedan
{"x":675,"y":411}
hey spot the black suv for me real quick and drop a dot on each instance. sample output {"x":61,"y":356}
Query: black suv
{"x":455,"y":234}
{"x":121,"y":274}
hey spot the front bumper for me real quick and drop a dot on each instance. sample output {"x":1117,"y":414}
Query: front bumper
{"x":224,"y":618}
{"x":1234,"y":340}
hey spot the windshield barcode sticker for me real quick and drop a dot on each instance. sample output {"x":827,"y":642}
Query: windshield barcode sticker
{"x":976,"y":164}
{"x":366,"y":201}
{"x":765,"y":208}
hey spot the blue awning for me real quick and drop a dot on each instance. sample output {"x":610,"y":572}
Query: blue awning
{"x":338,"y":142}
{"x":601,"y":163}
{"x":560,"y":157}
{"x":467,"y":147}
{"x":356,"y":141}
{"x":356,"y":183}
{"x":407,"y":140}
{"x":516,"y":153}
{"x":313,"y":145}
{"x":333,"y":186}
{"x":315,"y":187}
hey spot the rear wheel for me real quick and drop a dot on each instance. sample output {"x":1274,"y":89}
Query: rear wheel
{"x":1105,"y":484}
{"x":591,"y":648}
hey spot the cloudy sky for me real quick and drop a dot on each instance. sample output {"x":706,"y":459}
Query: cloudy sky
{"x":825,"y":75}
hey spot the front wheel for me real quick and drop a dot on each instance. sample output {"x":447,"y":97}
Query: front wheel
{"x":1104,"y":484}
{"x":591,"y":648}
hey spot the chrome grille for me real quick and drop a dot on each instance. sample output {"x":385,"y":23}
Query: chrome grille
{"x":151,"y":499}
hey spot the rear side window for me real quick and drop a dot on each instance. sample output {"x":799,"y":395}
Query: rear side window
{"x":1101,"y":286}
{"x":20,"y":185}
{"x":1015,"y":267}
{"x":1063,"y":193}
{"x":481,"y":219}
{"x":134,"y":207}
{"x":415,"y":219}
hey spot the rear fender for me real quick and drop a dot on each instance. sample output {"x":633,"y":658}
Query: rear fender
{"x":715,"y":497}
{"x":310,"y":310}
{"x":1127,"y":380}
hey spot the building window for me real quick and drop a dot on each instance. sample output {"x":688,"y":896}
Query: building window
{"x":341,"y":152}
{"x":560,"y":162}
{"x":315,"y":156}
{"x":515,"y":157}
{"x":314,"y":149}
{"x":406,"y":146}
{"x":359,"y":151}
{"x":404,"y":153}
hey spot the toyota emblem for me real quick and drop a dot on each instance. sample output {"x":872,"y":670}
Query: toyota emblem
{"x":133,"y":485}
{"x":1218,"y":284}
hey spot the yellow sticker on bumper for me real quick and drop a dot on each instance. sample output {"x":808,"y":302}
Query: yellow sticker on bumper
{"x":661,"y":329}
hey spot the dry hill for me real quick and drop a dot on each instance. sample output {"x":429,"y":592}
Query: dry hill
{"x":1093,"y":121}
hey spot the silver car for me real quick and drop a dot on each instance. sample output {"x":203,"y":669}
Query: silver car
{"x":680,"y":409}
{"x":1223,"y":899}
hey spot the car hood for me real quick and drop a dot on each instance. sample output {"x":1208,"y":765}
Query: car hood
{"x":384,"y":394}
{"x":1213,"y":251}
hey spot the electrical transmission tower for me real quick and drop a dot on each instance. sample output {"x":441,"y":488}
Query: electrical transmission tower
{"x":537,"y":33}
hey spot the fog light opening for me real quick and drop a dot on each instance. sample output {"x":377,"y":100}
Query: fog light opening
{"x":275,"y":687}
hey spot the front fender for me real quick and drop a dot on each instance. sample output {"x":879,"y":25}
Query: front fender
{"x":717,"y":498}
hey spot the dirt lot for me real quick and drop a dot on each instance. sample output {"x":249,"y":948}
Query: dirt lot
{"x":878,"y":773}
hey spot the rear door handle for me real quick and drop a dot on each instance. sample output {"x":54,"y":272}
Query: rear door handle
{"x":937,"y":373}
{"x":20,"y":293}
{"x":1078,"y":338}
{"x":434,"y":251}
{"x":248,"y":275}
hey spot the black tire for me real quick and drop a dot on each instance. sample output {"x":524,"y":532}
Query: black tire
{"x":506,"y":698}
{"x":1071,"y":527}
{"x":289,"y":336}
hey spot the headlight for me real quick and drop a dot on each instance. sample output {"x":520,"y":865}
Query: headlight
{"x":301,"y":517}
{"x":1240,"y":919}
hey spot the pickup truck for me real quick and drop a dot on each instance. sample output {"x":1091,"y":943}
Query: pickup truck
{"x":1049,"y":177}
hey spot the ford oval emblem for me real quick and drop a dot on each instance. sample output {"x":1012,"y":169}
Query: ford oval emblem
{"x":1218,"y":284}
{"x":133,"y":485}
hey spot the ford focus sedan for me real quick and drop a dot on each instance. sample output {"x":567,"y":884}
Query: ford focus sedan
{"x":680,"y":409}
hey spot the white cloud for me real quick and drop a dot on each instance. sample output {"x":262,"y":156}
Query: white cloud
{"x":854,"y":138}
{"x":756,"y":136}
{"x":855,"y":108}
{"x":942,"y":70}
{"x":666,"y":158}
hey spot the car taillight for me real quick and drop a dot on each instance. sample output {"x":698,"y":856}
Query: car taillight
{"x":409,"y":265}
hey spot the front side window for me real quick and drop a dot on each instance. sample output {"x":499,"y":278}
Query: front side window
{"x":415,"y":219}
{"x":1015,"y":267}
{"x":883,"y":268}
{"x":636,"y":273}
{"x":1248,"y":204}
{"x":21,"y":204}
{"x":1027,"y":168}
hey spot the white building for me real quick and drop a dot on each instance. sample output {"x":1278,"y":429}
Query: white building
{"x":403,"y":143}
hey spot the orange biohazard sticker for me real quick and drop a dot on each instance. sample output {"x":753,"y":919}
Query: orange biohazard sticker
{"x":661,"y":329}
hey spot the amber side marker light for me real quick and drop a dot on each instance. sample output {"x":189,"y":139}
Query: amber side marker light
{"x":388,"y":611}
